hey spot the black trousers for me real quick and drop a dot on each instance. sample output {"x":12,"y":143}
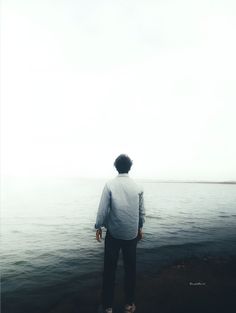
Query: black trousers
{"x":111,"y":255}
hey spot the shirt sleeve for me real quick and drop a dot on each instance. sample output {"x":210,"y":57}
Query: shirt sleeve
{"x":141,"y":210}
{"x":103,"y":208}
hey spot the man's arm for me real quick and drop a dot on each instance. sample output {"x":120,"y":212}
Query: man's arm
{"x":141,"y":210}
{"x":141,"y":216}
{"x":103,"y":208}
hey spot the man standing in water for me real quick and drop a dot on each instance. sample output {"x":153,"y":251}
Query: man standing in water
{"x":121,"y":211}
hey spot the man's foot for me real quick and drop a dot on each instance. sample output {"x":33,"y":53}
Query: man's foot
{"x":102,"y":310}
{"x":129,"y":308}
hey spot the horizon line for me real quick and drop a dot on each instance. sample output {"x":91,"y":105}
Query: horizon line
{"x":151,"y":179}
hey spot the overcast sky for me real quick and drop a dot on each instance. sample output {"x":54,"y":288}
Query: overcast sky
{"x":83,"y":81}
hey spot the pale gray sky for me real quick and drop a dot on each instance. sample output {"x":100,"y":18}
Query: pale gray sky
{"x":83,"y":81}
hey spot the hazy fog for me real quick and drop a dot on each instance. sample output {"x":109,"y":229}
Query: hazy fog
{"x":83,"y":81}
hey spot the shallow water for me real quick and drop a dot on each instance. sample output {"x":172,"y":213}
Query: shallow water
{"x":48,"y":240}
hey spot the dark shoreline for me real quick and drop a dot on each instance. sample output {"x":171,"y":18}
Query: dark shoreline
{"x":204,"y":284}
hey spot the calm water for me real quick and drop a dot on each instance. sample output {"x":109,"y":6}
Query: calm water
{"x":48,"y":241}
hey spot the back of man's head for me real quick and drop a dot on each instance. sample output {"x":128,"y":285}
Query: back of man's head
{"x":123,"y":163}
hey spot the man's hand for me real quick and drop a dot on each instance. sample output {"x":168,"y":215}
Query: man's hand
{"x":99,"y":234}
{"x":140,"y":234}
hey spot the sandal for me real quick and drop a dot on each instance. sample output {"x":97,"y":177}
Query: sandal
{"x":129,"y":308}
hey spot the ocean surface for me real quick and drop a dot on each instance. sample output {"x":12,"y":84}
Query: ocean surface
{"x":48,"y":245}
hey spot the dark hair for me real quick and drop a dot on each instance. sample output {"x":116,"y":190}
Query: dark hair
{"x":123,"y":163}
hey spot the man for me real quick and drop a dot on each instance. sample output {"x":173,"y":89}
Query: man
{"x":121,"y":211}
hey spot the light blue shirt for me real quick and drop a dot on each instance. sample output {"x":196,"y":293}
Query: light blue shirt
{"x":121,"y":208}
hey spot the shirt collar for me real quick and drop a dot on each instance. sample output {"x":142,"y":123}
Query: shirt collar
{"x":124,"y":174}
